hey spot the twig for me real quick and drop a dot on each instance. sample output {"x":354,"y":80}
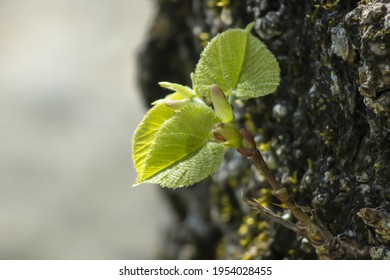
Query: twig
{"x":280,"y":192}
{"x":272,"y":216}
{"x":327,"y":246}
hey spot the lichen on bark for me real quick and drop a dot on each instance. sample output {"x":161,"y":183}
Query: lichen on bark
{"x":324,"y":133}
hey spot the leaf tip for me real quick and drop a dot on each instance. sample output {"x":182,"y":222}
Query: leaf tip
{"x":138,"y":182}
{"x":249,"y":26}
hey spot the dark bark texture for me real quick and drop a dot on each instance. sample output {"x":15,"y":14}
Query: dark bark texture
{"x":325,"y":133}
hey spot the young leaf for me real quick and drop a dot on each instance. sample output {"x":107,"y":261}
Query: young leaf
{"x":181,"y":96}
{"x":239,"y":64}
{"x":146,"y":132}
{"x":185,"y":91}
{"x":192,"y":169}
{"x":180,"y":145}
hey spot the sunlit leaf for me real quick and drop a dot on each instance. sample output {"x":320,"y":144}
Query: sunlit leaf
{"x":177,"y":143}
{"x":183,"y":90}
{"x":192,"y":169}
{"x":146,"y":132}
{"x":239,"y":64}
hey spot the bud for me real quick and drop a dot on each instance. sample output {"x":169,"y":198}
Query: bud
{"x":221,"y":106}
{"x":229,"y":134}
{"x":248,"y":141}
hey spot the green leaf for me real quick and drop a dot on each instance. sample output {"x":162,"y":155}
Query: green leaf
{"x":185,"y":91}
{"x":182,"y":96}
{"x":192,"y":169}
{"x":179,"y":142}
{"x":146,"y":132}
{"x":239,"y":64}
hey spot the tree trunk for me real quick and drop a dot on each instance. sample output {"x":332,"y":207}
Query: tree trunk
{"x":325,"y":133}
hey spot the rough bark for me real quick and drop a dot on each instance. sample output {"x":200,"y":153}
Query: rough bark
{"x":325,"y":133}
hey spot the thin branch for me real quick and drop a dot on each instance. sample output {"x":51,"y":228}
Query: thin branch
{"x":327,"y":246}
{"x":273,"y":217}
{"x":280,"y":192}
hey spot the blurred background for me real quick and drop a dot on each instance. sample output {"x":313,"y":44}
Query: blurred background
{"x":69,"y":105}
